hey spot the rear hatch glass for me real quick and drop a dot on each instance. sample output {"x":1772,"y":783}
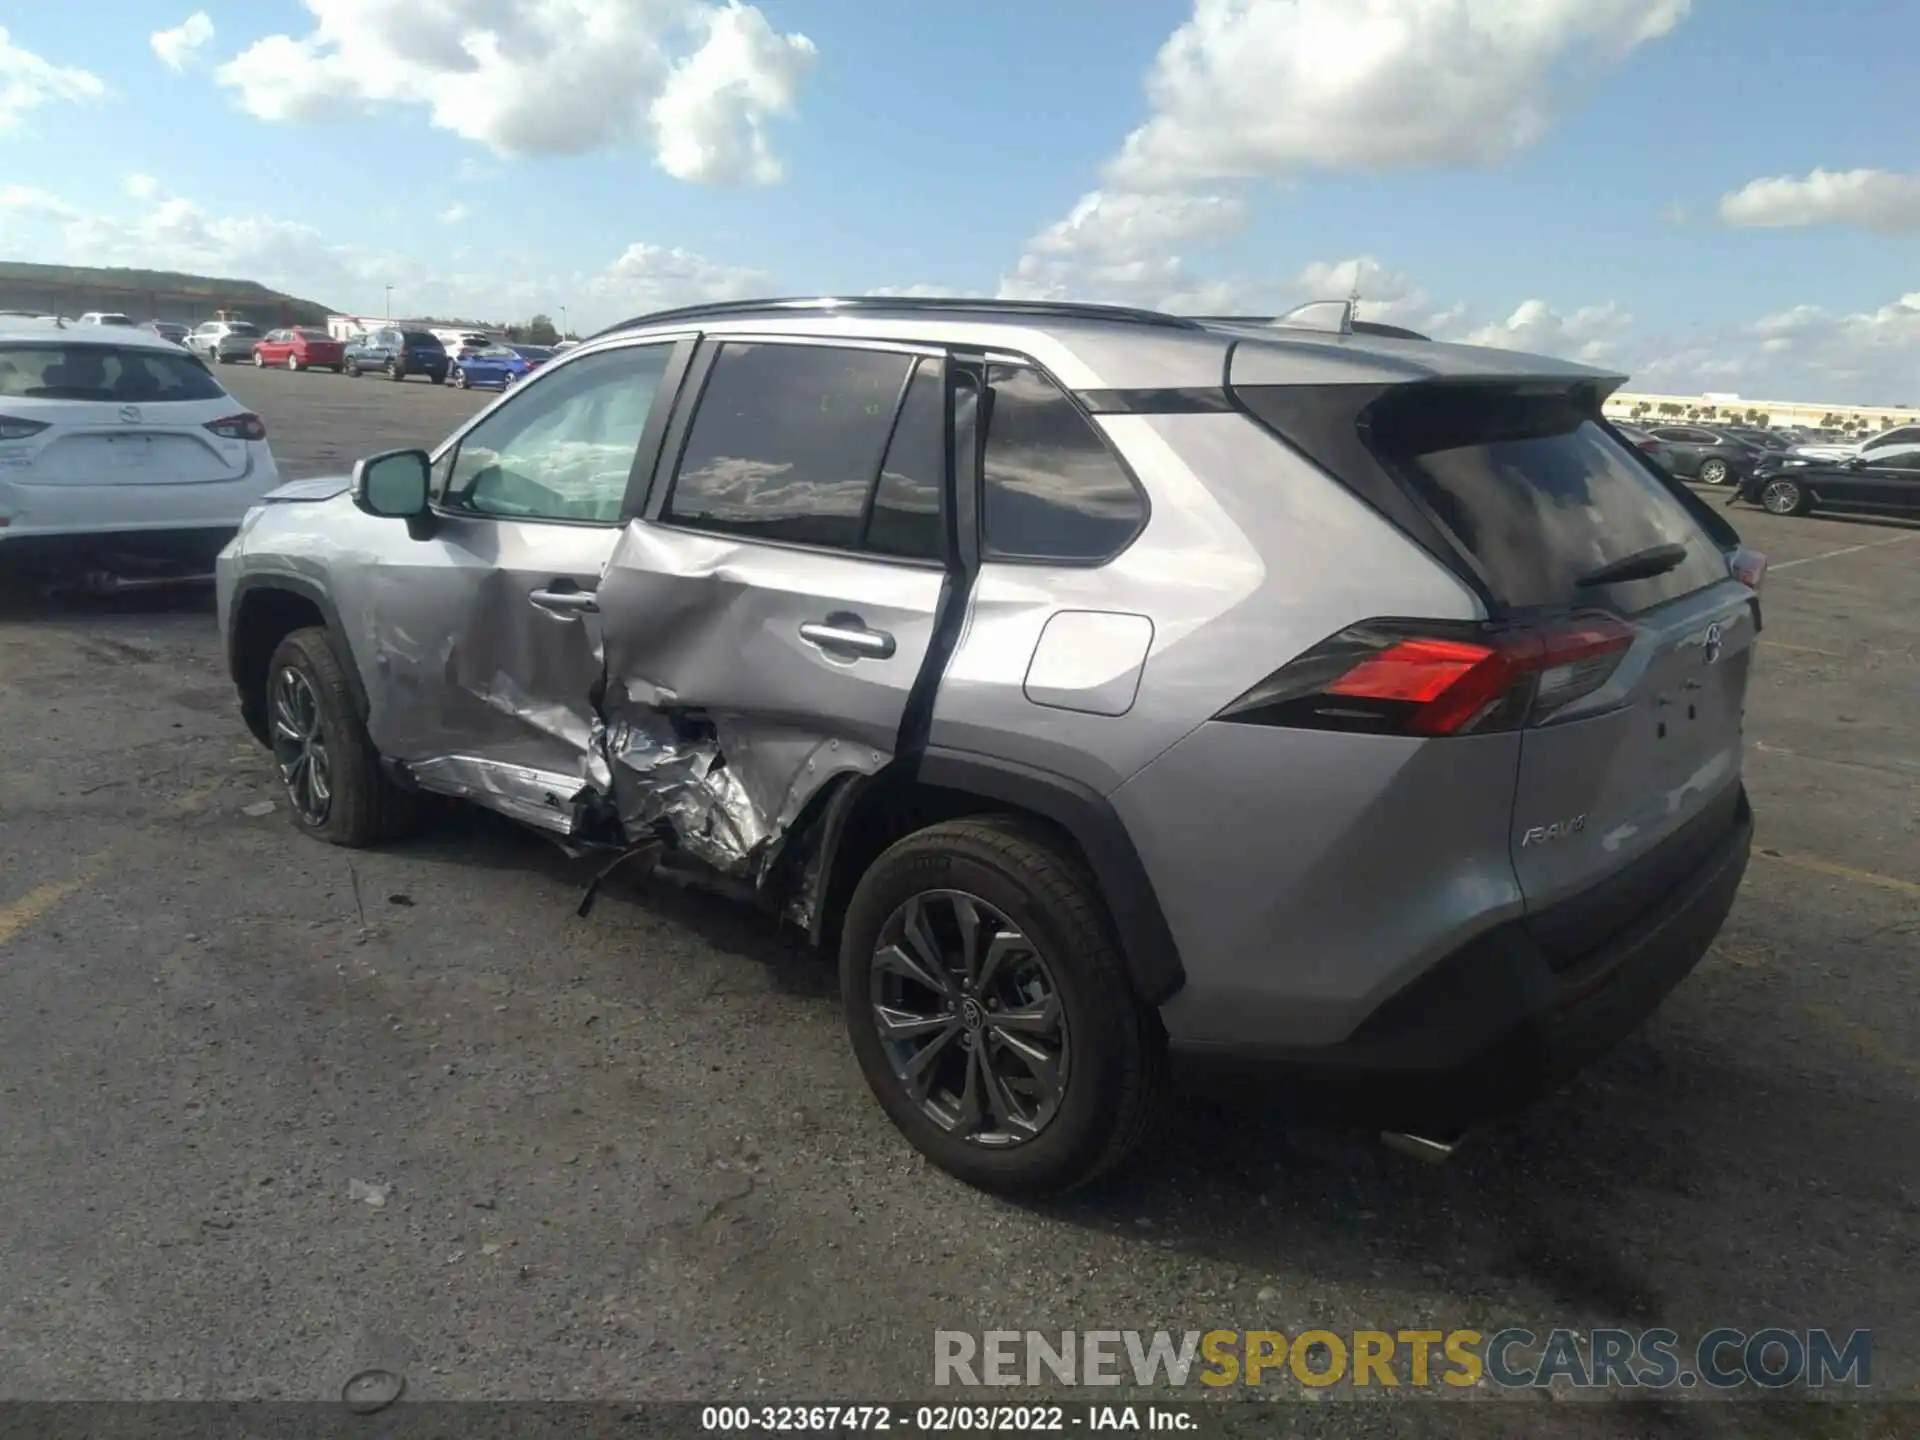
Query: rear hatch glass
{"x":103,"y":373}
{"x":1539,"y":495}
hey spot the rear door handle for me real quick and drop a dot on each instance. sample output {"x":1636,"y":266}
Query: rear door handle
{"x":842,"y":635}
{"x":566,"y":602}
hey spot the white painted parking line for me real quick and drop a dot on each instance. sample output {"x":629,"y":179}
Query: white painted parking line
{"x":1849,"y":550}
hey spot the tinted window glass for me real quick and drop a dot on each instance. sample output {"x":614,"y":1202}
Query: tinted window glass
{"x":1053,"y":488}
{"x":420,"y":340}
{"x":1540,"y":495}
{"x":1905,"y":460}
{"x":786,"y":442}
{"x":104,"y":372}
{"x":563,"y":448}
{"x":906,"y":503}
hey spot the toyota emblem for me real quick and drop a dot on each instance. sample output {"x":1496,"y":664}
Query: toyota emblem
{"x":130,"y":414}
{"x":1711,"y":647}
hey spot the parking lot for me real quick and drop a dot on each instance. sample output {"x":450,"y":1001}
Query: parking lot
{"x":631,"y":1155}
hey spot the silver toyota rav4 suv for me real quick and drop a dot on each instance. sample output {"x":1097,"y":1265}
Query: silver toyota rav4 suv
{"x":1113,"y":692}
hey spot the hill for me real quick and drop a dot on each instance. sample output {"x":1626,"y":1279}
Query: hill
{"x":148,"y":294}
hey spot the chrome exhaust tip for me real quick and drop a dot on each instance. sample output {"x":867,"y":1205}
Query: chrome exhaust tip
{"x":1420,"y":1147}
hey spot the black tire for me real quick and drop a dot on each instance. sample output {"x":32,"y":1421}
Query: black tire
{"x":459,"y":378}
{"x":350,"y":370}
{"x":1715,"y":471}
{"x":1784,"y":497}
{"x":1116,"y":1076}
{"x":365,"y":806}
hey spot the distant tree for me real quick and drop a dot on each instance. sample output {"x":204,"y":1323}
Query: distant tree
{"x":539,"y":331}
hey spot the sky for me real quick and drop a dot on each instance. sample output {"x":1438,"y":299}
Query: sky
{"x":1708,"y":195}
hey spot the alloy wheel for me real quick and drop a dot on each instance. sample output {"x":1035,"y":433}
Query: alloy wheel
{"x":300,"y":746}
{"x":970,"y":1018}
{"x":1781,"y":497}
{"x":1714,"y":472}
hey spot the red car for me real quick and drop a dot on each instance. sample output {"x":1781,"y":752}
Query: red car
{"x":300,"y":349}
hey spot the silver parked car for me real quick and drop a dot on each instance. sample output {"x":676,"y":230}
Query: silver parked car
{"x":224,"y":342}
{"x":1105,"y":688}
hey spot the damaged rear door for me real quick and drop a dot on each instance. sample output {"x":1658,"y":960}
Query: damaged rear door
{"x":487,"y":652}
{"x":769,"y":618}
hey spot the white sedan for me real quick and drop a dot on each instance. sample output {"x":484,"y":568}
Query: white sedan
{"x":119,"y":453}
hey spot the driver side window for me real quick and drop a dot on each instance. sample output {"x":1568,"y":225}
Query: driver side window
{"x":562,"y":448}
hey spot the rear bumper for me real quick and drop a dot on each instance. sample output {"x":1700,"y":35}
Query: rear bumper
{"x":1496,"y":1024}
{"x":187,"y":550}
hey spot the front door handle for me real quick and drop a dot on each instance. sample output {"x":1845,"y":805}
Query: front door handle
{"x":845,"y":635}
{"x":566,"y":602}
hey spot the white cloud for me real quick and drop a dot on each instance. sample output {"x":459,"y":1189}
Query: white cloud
{"x":699,"y":82}
{"x":1252,"y":88}
{"x":27,"y":82}
{"x":1123,"y":225}
{"x":923,"y":291}
{"x":180,"y":46}
{"x":1876,"y":200}
{"x":454,"y":214}
{"x":140,"y":187}
{"x":308,"y":261}
{"x":1592,"y":335}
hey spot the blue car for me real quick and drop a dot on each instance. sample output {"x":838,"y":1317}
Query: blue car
{"x":497,"y":366}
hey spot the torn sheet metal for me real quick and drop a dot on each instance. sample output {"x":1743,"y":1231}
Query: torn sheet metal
{"x":727,"y":788}
{"x":543,"y":798}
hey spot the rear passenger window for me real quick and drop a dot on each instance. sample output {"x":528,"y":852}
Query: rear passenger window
{"x":1053,"y":490}
{"x":787,"y":442}
{"x":905,"y":520}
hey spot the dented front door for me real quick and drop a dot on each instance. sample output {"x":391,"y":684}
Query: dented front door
{"x":768,"y":620}
{"x":490,"y":656}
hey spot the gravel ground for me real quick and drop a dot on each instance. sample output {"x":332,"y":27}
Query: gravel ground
{"x":271,"y":1113}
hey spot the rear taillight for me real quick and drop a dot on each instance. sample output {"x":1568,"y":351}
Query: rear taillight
{"x":13,"y":429}
{"x":1749,"y":567}
{"x":239,"y":427}
{"x":1647,"y":445}
{"x":1399,"y":677}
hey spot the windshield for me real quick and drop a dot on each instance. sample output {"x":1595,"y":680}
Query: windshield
{"x":532,"y":352}
{"x":103,"y":372}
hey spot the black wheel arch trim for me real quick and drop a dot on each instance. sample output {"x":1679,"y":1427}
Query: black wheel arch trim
{"x":1146,"y":941}
{"x":307,"y":590}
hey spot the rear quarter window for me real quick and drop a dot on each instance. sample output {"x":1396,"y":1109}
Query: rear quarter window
{"x":1052,"y":489}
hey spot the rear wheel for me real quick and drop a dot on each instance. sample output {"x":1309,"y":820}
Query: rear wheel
{"x":328,"y":767}
{"x":1783,"y":497}
{"x":293,"y":361}
{"x":350,"y":370}
{"x":395,"y":370}
{"x":459,"y":378}
{"x":990,"y":1010}
{"x":1714,"y":471}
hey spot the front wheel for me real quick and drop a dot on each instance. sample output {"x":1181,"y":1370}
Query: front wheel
{"x":395,"y":371}
{"x":259,"y":361}
{"x":350,"y":370}
{"x":991,"y":1012}
{"x":1714,"y":471}
{"x":1783,"y":497}
{"x":293,"y":362}
{"x":460,"y":381}
{"x":328,"y":767}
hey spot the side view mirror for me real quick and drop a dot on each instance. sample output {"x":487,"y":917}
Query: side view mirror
{"x":392,"y":485}
{"x":1856,"y":462}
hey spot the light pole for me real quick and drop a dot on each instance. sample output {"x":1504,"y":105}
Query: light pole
{"x":389,"y":310}
{"x":563,"y":322}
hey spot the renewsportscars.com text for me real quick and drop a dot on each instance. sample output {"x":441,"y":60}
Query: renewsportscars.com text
{"x":1653,"y":1359}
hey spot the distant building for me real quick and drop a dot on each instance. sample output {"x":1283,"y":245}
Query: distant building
{"x":352,"y":327}
{"x":1644,"y":409}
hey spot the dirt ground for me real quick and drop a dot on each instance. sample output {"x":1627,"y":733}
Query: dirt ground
{"x":631,"y":1156}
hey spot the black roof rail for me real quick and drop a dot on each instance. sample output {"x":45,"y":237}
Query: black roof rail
{"x":904,"y":304}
